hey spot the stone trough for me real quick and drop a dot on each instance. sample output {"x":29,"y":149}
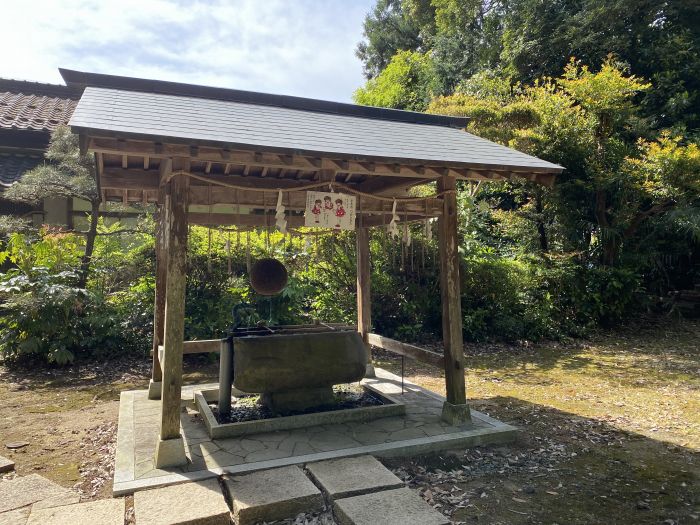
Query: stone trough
{"x":294,"y":369}
{"x":216,"y":430}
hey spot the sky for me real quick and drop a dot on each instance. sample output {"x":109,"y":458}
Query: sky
{"x":293,"y":47}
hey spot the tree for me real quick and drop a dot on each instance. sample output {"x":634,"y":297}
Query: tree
{"x":68,"y":174}
{"x":408,"y":82}
{"x":531,"y":39}
{"x":618,"y":175}
{"x":392,"y":26}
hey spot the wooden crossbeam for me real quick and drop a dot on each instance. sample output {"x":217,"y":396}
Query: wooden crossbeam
{"x":414,"y":352}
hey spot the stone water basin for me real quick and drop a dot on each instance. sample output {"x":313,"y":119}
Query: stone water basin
{"x":296,"y":371}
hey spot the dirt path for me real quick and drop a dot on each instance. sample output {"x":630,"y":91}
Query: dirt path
{"x":610,"y":428}
{"x":68,"y":417}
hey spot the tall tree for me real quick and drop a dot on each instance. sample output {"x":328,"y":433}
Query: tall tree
{"x":68,"y":174}
{"x":392,"y":26}
{"x":529,"y":39}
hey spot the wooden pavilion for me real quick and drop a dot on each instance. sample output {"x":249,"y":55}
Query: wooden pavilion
{"x":212,"y":156}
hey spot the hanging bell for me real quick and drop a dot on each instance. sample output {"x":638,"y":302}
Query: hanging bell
{"x":268,"y":276}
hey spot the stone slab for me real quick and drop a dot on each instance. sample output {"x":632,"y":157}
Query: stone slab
{"x":389,"y":507}
{"x":270,"y":495}
{"x":345,"y":477}
{"x":15,"y":517}
{"x":6,"y":465}
{"x":200,"y":503}
{"x":104,"y":512}
{"x":20,"y":492}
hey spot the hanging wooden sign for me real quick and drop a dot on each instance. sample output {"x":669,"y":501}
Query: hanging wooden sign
{"x":325,"y":209}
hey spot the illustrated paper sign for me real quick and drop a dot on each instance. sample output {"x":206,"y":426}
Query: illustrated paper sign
{"x":325,"y":209}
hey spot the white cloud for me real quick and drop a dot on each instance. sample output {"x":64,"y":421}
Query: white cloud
{"x":294,"y":47}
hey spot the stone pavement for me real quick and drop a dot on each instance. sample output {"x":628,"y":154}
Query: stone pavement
{"x":359,"y":490}
{"x":420,"y":431}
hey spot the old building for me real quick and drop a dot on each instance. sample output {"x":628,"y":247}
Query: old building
{"x":29,"y":112}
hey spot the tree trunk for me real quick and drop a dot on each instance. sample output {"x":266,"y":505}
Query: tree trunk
{"x":89,"y":243}
{"x":541,"y":230}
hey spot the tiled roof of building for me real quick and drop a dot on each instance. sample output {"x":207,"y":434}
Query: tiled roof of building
{"x":34,"y":112}
{"x":13,"y":166}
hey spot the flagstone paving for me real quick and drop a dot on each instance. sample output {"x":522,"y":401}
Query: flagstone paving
{"x":102,"y":512}
{"x":21,"y":492}
{"x":345,"y":477}
{"x":420,"y":430}
{"x":199,"y":503}
{"x":389,"y":507}
{"x":271,"y":495}
{"x":359,"y":490}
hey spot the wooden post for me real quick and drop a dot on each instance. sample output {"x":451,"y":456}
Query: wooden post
{"x":364,"y":301}
{"x":170,"y":449}
{"x":455,"y":409}
{"x":154,"y":387}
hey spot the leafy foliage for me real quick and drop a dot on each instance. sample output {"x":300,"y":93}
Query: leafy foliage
{"x":407,"y":82}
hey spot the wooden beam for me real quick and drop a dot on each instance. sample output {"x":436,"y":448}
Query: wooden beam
{"x":161,"y":282}
{"x":119,"y":179}
{"x":414,"y":352}
{"x":451,"y":298}
{"x":407,"y":168}
{"x":176,"y":233}
{"x":380,"y":185}
{"x":223,"y":219}
{"x":364,"y":302}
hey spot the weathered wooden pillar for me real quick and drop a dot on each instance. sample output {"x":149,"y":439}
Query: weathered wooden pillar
{"x":154,"y":387}
{"x":170,"y":450}
{"x":455,"y":409}
{"x":364,"y":301}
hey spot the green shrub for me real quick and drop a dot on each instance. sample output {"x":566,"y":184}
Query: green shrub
{"x":47,"y":317}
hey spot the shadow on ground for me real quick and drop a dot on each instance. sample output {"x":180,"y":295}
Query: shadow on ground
{"x":564,"y":469}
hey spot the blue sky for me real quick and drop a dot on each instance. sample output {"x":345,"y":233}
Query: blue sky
{"x":292,"y":47}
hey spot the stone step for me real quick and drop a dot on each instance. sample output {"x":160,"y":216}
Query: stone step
{"x":270,"y":495}
{"x":345,"y":477}
{"x":104,"y":512}
{"x":21,"y":492}
{"x":200,"y":503}
{"x":6,"y":465}
{"x":388,"y":507}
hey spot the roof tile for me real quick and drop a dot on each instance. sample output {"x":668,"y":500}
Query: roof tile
{"x":34,"y":112}
{"x":13,"y":166}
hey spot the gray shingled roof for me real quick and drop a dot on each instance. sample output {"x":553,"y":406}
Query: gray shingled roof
{"x":201,"y":120}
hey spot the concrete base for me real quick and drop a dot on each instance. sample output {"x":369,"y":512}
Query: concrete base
{"x":104,"y":512}
{"x":200,"y":503}
{"x":271,"y":495}
{"x":419,"y":430}
{"x":389,"y":507}
{"x":456,"y":414}
{"x":346,"y":477}
{"x":170,"y":453}
{"x":154,"y":389}
{"x":369,"y":371}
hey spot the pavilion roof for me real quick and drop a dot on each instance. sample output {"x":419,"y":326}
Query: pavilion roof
{"x":169,"y":112}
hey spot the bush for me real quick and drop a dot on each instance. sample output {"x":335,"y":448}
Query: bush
{"x":45,"y":316}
